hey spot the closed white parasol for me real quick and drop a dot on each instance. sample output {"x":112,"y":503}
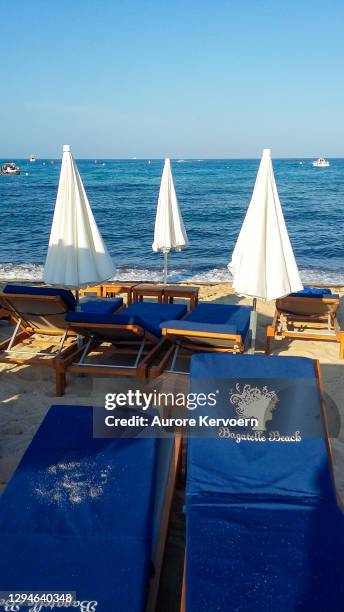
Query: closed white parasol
{"x":77,"y":255}
{"x":263,"y":263}
{"x":169,"y":232}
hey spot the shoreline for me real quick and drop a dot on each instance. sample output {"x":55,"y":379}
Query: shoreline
{"x":25,"y":281}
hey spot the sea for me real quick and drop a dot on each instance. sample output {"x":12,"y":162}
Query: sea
{"x":213,"y":196}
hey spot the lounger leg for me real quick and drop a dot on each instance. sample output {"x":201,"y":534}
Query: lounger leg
{"x":175,"y":357}
{"x":139,"y":354}
{"x":13,"y":337}
{"x":253,"y":329}
{"x":60,"y":383}
{"x":85,"y":351}
{"x":62,"y":341}
{"x":270,"y":333}
{"x":329,"y":322}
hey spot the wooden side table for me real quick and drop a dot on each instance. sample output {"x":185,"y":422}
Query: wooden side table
{"x":96,"y":291}
{"x":112,"y":289}
{"x":179,"y":291}
{"x":148,"y":290}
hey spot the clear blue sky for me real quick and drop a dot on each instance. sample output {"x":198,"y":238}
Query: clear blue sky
{"x":191,"y":78}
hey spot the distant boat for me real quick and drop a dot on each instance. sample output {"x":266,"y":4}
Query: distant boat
{"x":32,"y":158}
{"x":321,"y":163}
{"x":10,"y":168}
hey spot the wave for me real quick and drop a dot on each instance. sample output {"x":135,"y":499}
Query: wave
{"x":10,"y":272}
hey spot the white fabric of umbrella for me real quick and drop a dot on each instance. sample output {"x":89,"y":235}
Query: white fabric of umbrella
{"x":169,"y":233}
{"x":263,"y":263}
{"x":77,"y":256}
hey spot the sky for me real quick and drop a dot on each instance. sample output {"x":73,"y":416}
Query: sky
{"x":179,"y":79}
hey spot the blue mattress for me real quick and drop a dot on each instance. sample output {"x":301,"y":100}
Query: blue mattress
{"x":315,"y":292}
{"x":263,"y":528}
{"x":192,"y":326}
{"x":147,"y":315}
{"x":78,"y":514}
{"x":152,"y":314}
{"x":66,"y":295}
{"x":101,"y":306}
{"x":216,"y":318}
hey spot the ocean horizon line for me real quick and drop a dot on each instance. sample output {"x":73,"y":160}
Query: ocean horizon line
{"x":180,"y":158}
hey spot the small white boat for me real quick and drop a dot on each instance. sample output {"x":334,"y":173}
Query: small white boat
{"x":10,"y":168}
{"x":32,"y":158}
{"x":321,"y":163}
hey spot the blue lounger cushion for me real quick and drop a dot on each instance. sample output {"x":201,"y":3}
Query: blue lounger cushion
{"x":65,"y":295}
{"x":191,"y":326}
{"x":219,"y":318}
{"x":101,"y":306}
{"x":294,"y":375}
{"x":78,"y":514}
{"x":152,"y":314}
{"x":105,"y":306}
{"x":245,"y":557}
{"x":264,"y":531}
{"x":314,"y":292}
{"x":147,"y":315}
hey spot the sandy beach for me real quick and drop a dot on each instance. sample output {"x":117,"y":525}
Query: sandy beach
{"x":26,"y":393}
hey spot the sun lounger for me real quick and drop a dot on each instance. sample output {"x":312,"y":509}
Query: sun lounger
{"x":264,"y":526}
{"x":134,"y":332}
{"x":39,"y":312}
{"x":209,"y":327}
{"x":88,"y":515}
{"x":310,"y":314}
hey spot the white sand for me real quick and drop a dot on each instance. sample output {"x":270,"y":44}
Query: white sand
{"x":26,"y":392}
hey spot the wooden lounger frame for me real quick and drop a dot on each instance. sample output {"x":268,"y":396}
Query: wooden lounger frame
{"x":145,"y":349}
{"x":175,"y":467}
{"x":330,"y":456}
{"x":25,"y":330}
{"x":212,"y":343}
{"x":306,"y":318}
{"x":4,"y":314}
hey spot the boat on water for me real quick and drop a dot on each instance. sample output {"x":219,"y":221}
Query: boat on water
{"x":10,"y":168}
{"x":321,"y":163}
{"x":32,"y":158}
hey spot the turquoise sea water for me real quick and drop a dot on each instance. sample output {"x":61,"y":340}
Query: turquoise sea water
{"x":213,"y":195}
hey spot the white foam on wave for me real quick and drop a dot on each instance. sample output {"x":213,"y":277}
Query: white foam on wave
{"x":24,"y":272}
{"x":34,"y":272}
